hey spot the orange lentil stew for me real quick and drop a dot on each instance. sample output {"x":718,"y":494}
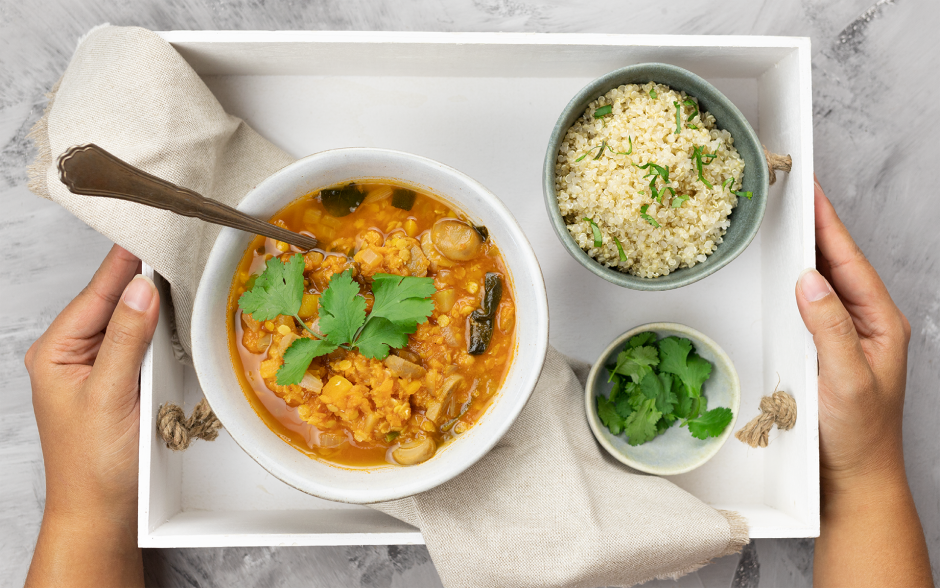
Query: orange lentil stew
{"x":357,"y":411}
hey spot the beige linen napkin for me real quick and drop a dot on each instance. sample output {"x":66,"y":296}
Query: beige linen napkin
{"x":546,"y":507}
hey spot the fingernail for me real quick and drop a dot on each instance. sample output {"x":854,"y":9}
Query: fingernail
{"x":139,"y":293}
{"x":813,"y":286}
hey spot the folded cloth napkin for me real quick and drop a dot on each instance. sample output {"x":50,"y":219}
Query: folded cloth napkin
{"x":546,"y":507}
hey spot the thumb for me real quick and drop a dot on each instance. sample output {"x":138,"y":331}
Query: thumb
{"x":841,"y":358}
{"x":115,"y":374}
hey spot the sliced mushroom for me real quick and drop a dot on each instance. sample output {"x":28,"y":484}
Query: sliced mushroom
{"x":403,"y":368}
{"x":436,"y":260}
{"x":435,"y":408}
{"x":415,"y":452}
{"x":456,"y":240}
{"x":409,"y":355}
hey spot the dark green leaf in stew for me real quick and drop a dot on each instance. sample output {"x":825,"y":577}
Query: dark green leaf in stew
{"x":403,"y":199}
{"x":342,"y":201}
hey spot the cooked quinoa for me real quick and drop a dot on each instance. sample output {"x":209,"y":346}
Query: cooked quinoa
{"x":611,"y":189}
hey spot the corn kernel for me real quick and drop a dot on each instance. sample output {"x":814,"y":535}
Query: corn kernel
{"x":344,"y":365}
{"x":443,"y":320}
{"x":411,"y":227}
{"x":473,"y":288}
{"x":284,"y":330}
{"x":460,"y":427}
{"x":269,"y":326}
{"x":282,"y":246}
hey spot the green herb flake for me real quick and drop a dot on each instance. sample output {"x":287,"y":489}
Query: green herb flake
{"x":678,"y":200}
{"x":628,"y":152}
{"x":653,"y":94}
{"x":727,"y":183}
{"x":678,"y":117}
{"x":601,"y":152}
{"x":588,"y":152}
{"x":747,"y":194}
{"x":598,"y":237}
{"x":691,"y":104}
{"x":623,"y":256}
{"x":647,"y":217}
{"x":603,"y":111}
{"x":699,"y":155}
{"x":691,"y":126}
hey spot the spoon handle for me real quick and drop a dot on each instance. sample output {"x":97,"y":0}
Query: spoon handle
{"x":91,"y":171}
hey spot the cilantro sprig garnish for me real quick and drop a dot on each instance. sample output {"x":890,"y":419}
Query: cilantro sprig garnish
{"x":678,"y":117}
{"x":401,"y":303}
{"x":656,"y":384}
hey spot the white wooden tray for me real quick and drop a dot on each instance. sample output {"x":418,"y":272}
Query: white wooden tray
{"x":485,"y":104}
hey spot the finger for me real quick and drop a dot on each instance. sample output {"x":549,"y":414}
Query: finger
{"x":841,"y":358}
{"x":114,"y":377}
{"x":853,"y":277}
{"x":88,"y":314}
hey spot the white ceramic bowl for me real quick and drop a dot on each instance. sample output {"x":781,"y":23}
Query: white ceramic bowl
{"x":676,"y":451}
{"x":216,"y":371}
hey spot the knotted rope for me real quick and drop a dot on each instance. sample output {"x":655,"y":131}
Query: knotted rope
{"x":779,"y":409}
{"x":777,"y":162}
{"x":178,"y":432}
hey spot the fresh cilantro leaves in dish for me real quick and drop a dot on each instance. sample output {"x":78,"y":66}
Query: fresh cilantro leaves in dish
{"x":620,"y":251}
{"x":279,"y":289}
{"x":747,"y":194}
{"x":656,"y":384}
{"x":401,"y":303}
{"x":710,"y":424}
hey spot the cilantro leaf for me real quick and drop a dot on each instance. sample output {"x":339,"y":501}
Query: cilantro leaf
{"x":342,"y":310}
{"x":608,"y":415}
{"x":278,"y":290}
{"x":678,"y":359}
{"x":623,"y":405}
{"x":640,"y":427}
{"x":402,"y":300}
{"x":379,"y":334}
{"x":297,"y":359}
{"x":710,"y":424}
{"x":641,"y":339}
{"x":659,"y":388}
{"x":636,"y":362}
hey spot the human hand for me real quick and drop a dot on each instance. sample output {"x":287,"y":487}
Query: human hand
{"x":84,"y":372}
{"x":861,"y":337}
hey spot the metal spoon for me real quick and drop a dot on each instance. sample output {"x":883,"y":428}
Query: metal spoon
{"x":91,"y":171}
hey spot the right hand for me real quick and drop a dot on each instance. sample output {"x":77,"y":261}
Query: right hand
{"x":861,"y":337}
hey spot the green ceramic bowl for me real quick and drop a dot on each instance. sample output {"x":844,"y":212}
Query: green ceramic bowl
{"x":747,"y":215}
{"x":676,"y":451}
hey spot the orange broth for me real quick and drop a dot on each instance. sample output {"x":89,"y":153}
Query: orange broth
{"x":361,"y":426}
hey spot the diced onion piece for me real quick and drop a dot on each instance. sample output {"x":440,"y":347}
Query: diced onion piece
{"x":311,"y":382}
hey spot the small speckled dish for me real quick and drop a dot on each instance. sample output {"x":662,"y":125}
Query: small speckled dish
{"x":676,"y":451}
{"x":746,"y":216}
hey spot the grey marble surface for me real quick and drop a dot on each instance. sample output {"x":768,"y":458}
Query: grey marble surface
{"x":875,"y":124}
